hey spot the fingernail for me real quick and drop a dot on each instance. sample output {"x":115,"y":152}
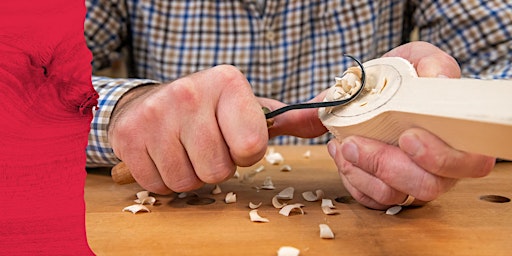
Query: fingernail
{"x":442,"y":76}
{"x":331,"y":147}
{"x":350,"y":151}
{"x":411,"y":144}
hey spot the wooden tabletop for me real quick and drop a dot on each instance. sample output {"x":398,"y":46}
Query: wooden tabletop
{"x":458,"y":223}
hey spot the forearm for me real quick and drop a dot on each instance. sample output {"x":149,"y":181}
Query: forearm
{"x":112,"y":92}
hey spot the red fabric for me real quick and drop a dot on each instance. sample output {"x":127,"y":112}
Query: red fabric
{"x":46,"y":101}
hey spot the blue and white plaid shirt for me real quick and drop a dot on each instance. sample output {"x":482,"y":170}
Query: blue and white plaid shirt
{"x":288,"y":50}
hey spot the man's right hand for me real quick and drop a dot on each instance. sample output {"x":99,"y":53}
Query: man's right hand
{"x":195,"y":130}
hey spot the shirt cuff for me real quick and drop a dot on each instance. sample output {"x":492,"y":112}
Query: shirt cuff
{"x":99,"y":152}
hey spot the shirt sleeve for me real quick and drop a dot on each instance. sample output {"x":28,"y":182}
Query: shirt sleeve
{"x":478,"y":34}
{"x":99,"y":151}
{"x":106,"y":30}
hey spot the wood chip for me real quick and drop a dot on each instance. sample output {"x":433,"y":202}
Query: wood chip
{"x":254,"y":206}
{"x":286,"y":193}
{"x":313,"y":197}
{"x":326,"y":232}
{"x":286,"y":168}
{"x":268,"y":184}
{"x":273,"y":157}
{"x":287,"y":209}
{"x":307,"y":154}
{"x":276,"y":203}
{"x":394,"y":210}
{"x":255,"y":217}
{"x":136,"y":208}
{"x":216,"y":190}
{"x":230,"y":198}
{"x":288,"y":251}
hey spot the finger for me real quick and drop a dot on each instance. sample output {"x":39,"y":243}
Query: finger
{"x":303,"y":123}
{"x":361,"y":197}
{"x":393,"y":166}
{"x":428,"y":60}
{"x":240,"y":117}
{"x":137,"y":159}
{"x":199,"y":134}
{"x":432,"y":154}
{"x":368,"y":189}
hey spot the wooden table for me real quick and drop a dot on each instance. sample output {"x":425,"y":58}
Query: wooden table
{"x":458,"y":223}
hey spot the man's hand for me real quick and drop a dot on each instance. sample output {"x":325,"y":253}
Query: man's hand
{"x":195,"y":130}
{"x":379,"y":175}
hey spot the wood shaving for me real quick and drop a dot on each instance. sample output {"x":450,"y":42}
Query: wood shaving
{"x":216,"y":190}
{"x":327,"y":207}
{"x":286,"y":168}
{"x":288,"y":251}
{"x":268,"y":184}
{"x":135,"y":208}
{"x":147,"y":200}
{"x":307,"y":154}
{"x":254,"y":206}
{"x":327,"y":203}
{"x":144,"y":198}
{"x":328,"y":211}
{"x":394,"y":210}
{"x":313,"y":197}
{"x":249,"y":176}
{"x":287,"y":209}
{"x":273,"y":157}
{"x":230,"y":198}
{"x":286,"y":193}
{"x":276,"y":203}
{"x":326,"y":232}
{"x":142,"y":194}
{"x":255,"y":217}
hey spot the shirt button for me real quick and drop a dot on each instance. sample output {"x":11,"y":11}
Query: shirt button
{"x":270,"y":36}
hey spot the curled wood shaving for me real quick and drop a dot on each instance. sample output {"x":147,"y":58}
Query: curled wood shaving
{"x":288,"y":251}
{"x":148,"y":200}
{"x":327,"y":207}
{"x":394,"y":210}
{"x":287,"y":209}
{"x":249,"y":176}
{"x":216,"y":190}
{"x":142,"y":194}
{"x":254,"y":206}
{"x":135,"y":208}
{"x":255,"y":217}
{"x":268,"y":184}
{"x":313,"y":197}
{"x":326,"y":232}
{"x":327,"y":203}
{"x":286,"y":168}
{"x":273,"y":157}
{"x":230,"y":198}
{"x":286,"y":193}
{"x":328,"y":211}
{"x":276,"y":203}
{"x":144,"y":198}
{"x":307,"y":154}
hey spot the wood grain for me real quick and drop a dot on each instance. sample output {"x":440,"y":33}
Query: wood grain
{"x":458,"y":223}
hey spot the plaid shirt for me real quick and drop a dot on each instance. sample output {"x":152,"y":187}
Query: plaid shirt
{"x":288,"y":50}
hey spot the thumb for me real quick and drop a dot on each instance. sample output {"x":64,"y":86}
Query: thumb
{"x":427,"y":59}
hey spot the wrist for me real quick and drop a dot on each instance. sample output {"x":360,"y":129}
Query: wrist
{"x":127,"y":99}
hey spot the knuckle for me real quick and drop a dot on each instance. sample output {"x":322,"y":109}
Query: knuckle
{"x":219,"y":174}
